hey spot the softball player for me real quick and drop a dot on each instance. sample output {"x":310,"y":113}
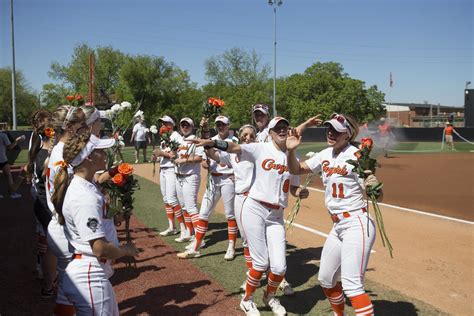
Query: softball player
{"x":262,"y":214}
{"x":82,"y":208}
{"x":221,"y":184}
{"x":168,"y":179}
{"x":346,"y":251}
{"x":188,"y":178}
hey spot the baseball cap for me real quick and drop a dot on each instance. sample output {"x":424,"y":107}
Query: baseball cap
{"x":166,"y":119}
{"x":187,"y":120}
{"x":275,"y":121}
{"x":262,"y":108}
{"x":222,"y":119}
{"x":94,"y":142}
{"x":339,"y":123}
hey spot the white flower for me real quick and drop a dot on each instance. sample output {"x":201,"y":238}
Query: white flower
{"x":147,"y":130}
{"x":154,"y":129}
{"x":109,"y":114}
{"x":310,"y":154}
{"x":115,"y":108}
{"x":125,"y":105}
{"x":139,"y":114}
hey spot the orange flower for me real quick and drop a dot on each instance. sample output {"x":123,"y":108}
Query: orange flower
{"x":125,"y":169}
{"x":216,"y":102}
{"x":70,"y":98}
{"x":366,"y":143}
{"x":49,"y":132}
{"x":79,"y":97}
{"x":164,"y":130}
{"x":119,"y":179}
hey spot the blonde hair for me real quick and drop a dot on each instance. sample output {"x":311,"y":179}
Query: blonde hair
{"x":354,"y":126}
{"x":61,"y":181}
{"x":63,"y":116}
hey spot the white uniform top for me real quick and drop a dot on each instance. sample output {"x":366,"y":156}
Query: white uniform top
{"x":222,"y":168}
{"x":139,"y":130}
{"x":187,"y":150}
{"x":263,"y":136}
{"x":344,"y":188}
{"x":243,"y":171}
{"x":165,"y":162}
{"x":4,"y":142}
{"x":272,"y":177}
{"x":53,"y":168}
{"x":83,"y":209}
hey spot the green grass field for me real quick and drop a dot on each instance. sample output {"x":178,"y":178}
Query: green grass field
{"x":302,"y":271}
{"x":400,"y":148}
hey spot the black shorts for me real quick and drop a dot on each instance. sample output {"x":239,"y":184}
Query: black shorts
{"x":42,"y":212}
{"x":140,"y":144}
{"x":3,"y":164}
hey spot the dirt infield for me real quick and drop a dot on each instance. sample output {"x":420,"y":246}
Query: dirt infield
{"x":436,"y":183}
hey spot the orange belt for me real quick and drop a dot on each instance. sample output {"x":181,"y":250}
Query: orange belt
{"x":79,"y":256}
{"x":270,"y":206}
{"x":335,"y":217}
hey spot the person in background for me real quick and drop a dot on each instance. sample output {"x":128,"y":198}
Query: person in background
{"x":5,"y":145}
{"x":139,"y":135}
{"x":385,"y":134}
{"x":448,"y":135}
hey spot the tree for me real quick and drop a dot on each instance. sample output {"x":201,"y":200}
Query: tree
{"x":26,"y":101}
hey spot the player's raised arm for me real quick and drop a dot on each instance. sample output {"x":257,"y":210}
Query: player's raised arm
{"x":217,"y":143}
{"x":296,"y":167}
{"x":313,"y":121}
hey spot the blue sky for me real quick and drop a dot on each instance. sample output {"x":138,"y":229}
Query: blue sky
{"x":426,"y":44}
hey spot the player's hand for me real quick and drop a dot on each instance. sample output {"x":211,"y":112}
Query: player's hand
{"x":204,"y":123}
{"x":292,"y":142}
{"x":19,"y":139}
{"x":171,"y":155}
{"x":204,"y":164}
{"x":303,"y":194}
{"x":129,"y":250}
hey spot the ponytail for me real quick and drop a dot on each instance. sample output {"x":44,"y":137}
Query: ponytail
{"x":39,"y":121}
{"x":61,"y":181}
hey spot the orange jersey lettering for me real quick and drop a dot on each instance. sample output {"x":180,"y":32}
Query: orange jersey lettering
{"x":332,"y":170}
{"x":269,"y":164}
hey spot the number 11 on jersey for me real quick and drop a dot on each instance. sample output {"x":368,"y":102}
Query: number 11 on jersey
{"x":335,"y":188}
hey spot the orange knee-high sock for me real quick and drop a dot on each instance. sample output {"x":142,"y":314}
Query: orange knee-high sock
{"x":195,"y":220}
{"x":178,"y":213}
{"x":253,"y":281}
{"x":248,"y":258}
{"x":362,"y":305}
{"x":64,"y":310}
{"x":170,"y":215}
{"x":200,"y":232}
{"x":336,"y":298}
{"x":188,"y":223}
{"x":232,"y":229}
{"x":273,"y":283}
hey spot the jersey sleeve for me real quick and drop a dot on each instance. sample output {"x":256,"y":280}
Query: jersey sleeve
{"x":248,"y":152}
{"x":295,"y":180}
{"x":88,"y":220}
{"x":314,"y":163}
{"x":224,"y":158}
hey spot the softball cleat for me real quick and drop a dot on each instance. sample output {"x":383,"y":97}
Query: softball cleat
{"x":188,"y":254}
{"x":286,"y":288}
{"x":230,"y":254}
{"x":169,"y":232}
{"x":249,"y":307}
{"x":274,"y":303}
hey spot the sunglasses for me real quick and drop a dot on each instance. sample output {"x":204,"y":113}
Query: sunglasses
{"x":341,"y":119}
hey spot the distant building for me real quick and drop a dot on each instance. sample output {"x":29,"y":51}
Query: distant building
{"x":423,"y":115}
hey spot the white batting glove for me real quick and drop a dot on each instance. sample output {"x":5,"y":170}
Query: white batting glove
{"x":371,"y":180}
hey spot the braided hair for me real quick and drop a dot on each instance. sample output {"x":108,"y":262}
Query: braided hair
{"x":72,"y":148}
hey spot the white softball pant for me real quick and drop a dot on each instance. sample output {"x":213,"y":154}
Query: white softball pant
{"x":238,"y":205}
{"x":168,"y":186}
{"x":221,"y":186}
{"x":59,"y":245}
{"x":346,"y":253}
{"x":187,"y":188}
{"x":86,"y":284}
{"x":264,"y":231}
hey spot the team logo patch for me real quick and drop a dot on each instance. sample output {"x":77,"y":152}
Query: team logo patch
{"x":92,"y":223}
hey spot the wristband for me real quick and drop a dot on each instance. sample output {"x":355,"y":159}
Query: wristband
{"x":221,"y":144}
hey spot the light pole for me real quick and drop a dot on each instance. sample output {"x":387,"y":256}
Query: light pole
{"x":13,"y":68}
{"x":274,"y":4}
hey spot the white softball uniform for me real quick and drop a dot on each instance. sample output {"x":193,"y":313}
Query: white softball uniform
{"x":346,"y":251}
{"x":244,"y":177}
{"x":57,"y":240}
{"x":188,"y":175}
{"x":85,"y":281}
{"x":263,"y":136}
{"x":167,"y":175}
{"x":262,"y":214}
{"x":221,"y":185}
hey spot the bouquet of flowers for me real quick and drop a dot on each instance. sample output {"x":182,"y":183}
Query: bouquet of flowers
{"x":211,"y":109}
{"x":75,"y":99}
{"x":120,"y":190}
{"x":296,"y":208}
{"x":365,"y":166}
